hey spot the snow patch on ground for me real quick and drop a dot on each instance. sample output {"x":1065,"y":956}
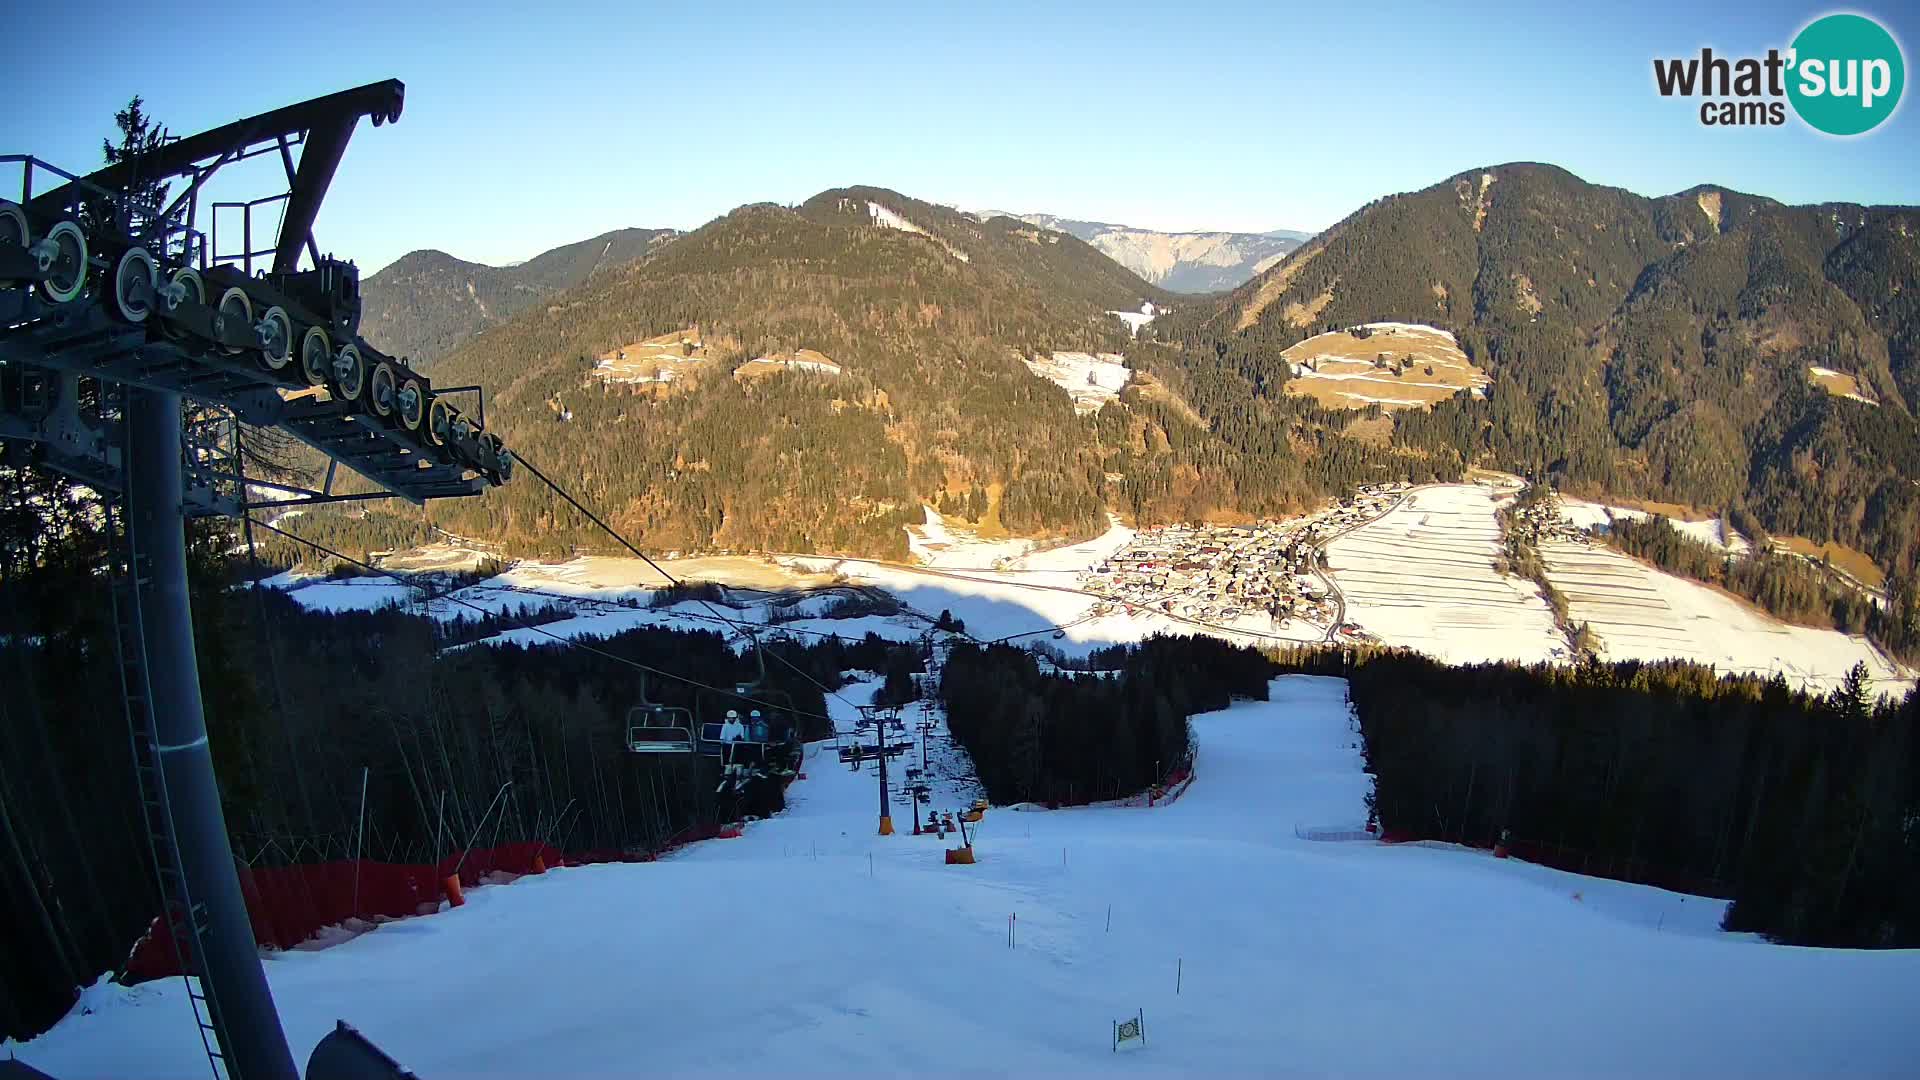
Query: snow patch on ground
{"x":1714,"y":532}
{"x":812,"y":946}
{"x":1090,"y":379}
{"x":886,"y":217}
{"x":344,"y":594}
{"x":934,"y":542}
{"x":1137,"y":319}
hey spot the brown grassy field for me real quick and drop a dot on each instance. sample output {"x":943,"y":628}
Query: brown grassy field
{"x":1838,"y":383}
{"x":801,"y":360}
{"x":1853,"y":561}
{"x":1343,"y":371}
{"x":657,"y":359}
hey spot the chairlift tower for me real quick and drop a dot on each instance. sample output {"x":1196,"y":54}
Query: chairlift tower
{"x":880,"y":720}
{"x":114,"y":310}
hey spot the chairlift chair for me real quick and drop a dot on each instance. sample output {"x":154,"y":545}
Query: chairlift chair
{"x":653,"y":728}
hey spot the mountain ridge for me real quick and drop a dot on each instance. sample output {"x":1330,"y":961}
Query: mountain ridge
{"x":927,"y":317}
{"x":1191,"y":261}
{"x":424,"y":304}
{"x":1662,"y":348}
{"x":1651,"y":346}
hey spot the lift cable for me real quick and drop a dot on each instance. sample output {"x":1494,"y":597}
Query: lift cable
{"x":642,"y":556}
{"x":324,"y":550}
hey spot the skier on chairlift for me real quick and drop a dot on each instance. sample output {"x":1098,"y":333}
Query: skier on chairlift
{"x":757,"y":726}
{"x":731,"y":730}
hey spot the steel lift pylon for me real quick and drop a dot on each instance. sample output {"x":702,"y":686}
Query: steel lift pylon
{"x":116,"y":307}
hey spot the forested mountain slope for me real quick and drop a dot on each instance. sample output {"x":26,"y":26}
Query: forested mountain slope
{"x":1653,"y":347}
{"x":927,"y":314}
{"x":426,"y":303}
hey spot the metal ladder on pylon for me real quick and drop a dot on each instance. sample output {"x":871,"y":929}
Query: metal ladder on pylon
{"x":183,"y":921}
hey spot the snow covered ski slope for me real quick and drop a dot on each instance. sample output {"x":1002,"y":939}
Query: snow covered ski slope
{"x":787,"y":952}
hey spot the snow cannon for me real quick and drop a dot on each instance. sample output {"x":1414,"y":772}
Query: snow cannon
{"x":960,"y":856}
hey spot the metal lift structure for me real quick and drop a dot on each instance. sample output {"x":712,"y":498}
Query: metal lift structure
{"x":117,"y":305}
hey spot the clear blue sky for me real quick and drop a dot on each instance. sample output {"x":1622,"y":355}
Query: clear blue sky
{"x":530,"y":125}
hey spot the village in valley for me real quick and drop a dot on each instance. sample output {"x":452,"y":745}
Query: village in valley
{"x":1231,"y":572}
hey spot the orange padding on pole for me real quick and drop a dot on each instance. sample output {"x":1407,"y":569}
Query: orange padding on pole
{"x":454,"y":896}
{"x":539,"y":865}
{"x":886,"y":826}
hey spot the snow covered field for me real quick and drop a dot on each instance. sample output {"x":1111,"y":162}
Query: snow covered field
{"x":1090,"y":379}
{"x":786,"y":952}
{"x":1643,"y":614}
{"x":953,"y":547}
{"x":1423,"y":576}
{"x":1714,"y":532}
{"x":1137,"y":319}
{"x":344,"y":594}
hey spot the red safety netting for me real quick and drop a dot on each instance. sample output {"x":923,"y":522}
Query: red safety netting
{"x":291,"y":904}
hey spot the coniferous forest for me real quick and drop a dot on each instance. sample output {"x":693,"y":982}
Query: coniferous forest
{"x":1070,"y":739}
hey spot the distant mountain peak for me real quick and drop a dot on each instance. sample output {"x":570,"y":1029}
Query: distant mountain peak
{"x":1196,"y":261}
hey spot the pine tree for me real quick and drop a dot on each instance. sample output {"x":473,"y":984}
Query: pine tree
{"x":140,"y":135}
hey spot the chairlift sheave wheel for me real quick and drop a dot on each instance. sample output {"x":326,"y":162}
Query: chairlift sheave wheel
{"x":276,"y":338}
{"x":349,"y":373}
{"x":382,"y":394}
{"x":316,"y":356}
{"x":235,"y":304}
{"x":188,"y":288}
{"x":13,"y":226}
{"x":440,"y":416}
{"x":63,"y":258}
{"x":411,"y":405}
{"x":133,"y":284}
{"x":492,"y":450}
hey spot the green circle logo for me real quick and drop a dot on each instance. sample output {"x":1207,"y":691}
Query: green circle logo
{"x":1847,"y":74}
